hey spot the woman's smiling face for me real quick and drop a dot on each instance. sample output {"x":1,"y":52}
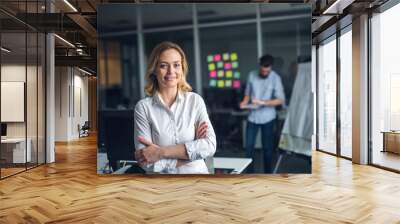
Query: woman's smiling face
{"x":169,"y":69}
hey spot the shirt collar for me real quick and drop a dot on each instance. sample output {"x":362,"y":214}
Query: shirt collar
{"x":157,"y":98}
{"x":180,"y":96}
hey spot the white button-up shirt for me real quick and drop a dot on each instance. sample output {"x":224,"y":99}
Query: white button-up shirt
{"x":172,"y":126}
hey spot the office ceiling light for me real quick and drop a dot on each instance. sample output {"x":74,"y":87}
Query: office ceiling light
{"x":337,"y":7}
{"x":5,"y":50}
{"x":70,"y":5}
{"x":84,"y":71}
{"x":65,"y":41}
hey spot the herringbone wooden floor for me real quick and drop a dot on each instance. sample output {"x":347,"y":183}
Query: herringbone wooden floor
{"x":70,"y":191}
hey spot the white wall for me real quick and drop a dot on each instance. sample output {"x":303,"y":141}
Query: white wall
{"x":62,"y":81}
{"x":71,"y":94}
{"x":12,"y":73}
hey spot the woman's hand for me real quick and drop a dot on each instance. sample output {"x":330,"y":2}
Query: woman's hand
{"x":151,"y":154}
{"x":201,"y":130}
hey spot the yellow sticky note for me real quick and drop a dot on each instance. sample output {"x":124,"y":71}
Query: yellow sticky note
{"x":228,"y":83}
{"x":211,"y":67}
{"x":229,"y":74}
{"x":234,"y":56}
{"x":225,"y":56}
{"x":221,"y":83}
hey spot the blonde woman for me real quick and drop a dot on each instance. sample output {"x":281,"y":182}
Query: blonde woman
{"x":173,"y":133}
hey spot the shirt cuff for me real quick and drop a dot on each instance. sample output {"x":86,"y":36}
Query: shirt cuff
{"x":191,"y":151}
{"x":165,"y":165}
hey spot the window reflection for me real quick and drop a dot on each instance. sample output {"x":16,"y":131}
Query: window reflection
{"x":327,"y":96}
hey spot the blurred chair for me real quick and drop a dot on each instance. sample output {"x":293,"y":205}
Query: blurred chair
{"x":84,"y":130}
{"x":117,"y":138}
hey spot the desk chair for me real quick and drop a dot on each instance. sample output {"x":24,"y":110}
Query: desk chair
{"x":84,"y":130}
{"x":118,"y":141}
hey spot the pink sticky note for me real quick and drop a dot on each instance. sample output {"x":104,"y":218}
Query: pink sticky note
{"x":213,"y":74}
{"x":236,"y":84}
{"x":217,"y":57}
{"x":228,"y":66}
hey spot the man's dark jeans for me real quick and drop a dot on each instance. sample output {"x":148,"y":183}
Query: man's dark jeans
{"x":267,"y":140}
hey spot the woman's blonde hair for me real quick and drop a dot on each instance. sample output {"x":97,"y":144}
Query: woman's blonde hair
{"x":151,"y":78}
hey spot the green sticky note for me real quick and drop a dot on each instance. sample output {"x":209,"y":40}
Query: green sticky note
{"x":228,"y":83}
{"x":229,"y":74}
{"x":220,"y":74}
{"x":211,"y":67}
{"x":234,"y":57}
{"x":213,"y":83}
{"x":235,"y":64}
{"x":225,"y":56}
{"x":221,"y":83}
{"x":220,"y":64}
{"x":236,"y":75}
{"x":210,"y":58}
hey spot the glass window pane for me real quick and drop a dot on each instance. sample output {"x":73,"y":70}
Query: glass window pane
{"x":346,"y":93}
{"x":118,"y":72}
{"x":118,"y":85}
{"x":225,"y":65}
{"x":327,"y":96}
{"x":287,"y":41}
{"x":385,"y":89}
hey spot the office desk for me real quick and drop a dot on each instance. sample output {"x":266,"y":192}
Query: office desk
{"x":234,"y":165}
{"x":237,"y":164}
{"x":13,"y":150}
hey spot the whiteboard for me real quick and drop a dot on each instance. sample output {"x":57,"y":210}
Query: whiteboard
{"x":12,"y":101}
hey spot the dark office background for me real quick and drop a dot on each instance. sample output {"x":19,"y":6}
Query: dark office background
{"x":126,"y":30}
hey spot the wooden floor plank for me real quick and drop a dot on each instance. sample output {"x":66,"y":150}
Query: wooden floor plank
{"x":70,"y":191}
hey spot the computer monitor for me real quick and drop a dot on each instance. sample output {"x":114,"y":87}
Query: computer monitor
{"x":3,"y":129}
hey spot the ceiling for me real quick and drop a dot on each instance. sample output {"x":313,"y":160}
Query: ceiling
{"x":80,"y":27}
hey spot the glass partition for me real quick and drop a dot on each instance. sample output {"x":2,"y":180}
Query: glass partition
{"x":14,"y":145}
{"x":22,"y":88}
{"x":288,"y":41}
{"x":225,"y":65}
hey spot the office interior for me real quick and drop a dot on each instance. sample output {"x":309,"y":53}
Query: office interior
{"x":281,"y":30}
{"x":350,"y":107}
{"x":354,"y":180}
{"x":38,"y":108}
{"x":50,"y":72}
